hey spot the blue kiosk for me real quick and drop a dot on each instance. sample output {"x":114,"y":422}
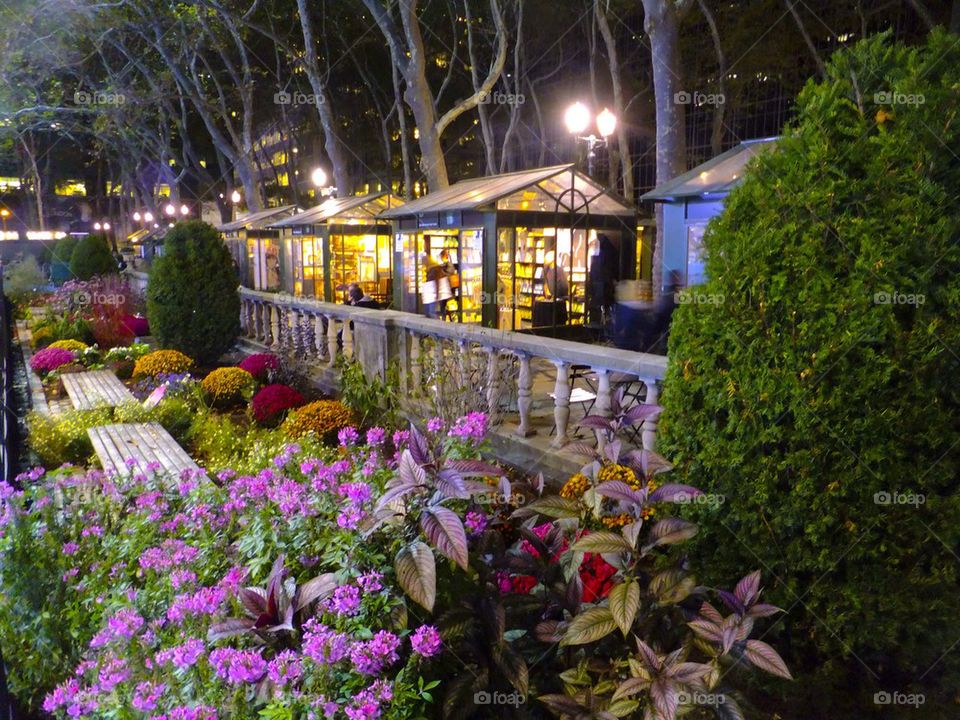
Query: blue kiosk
{"x":691,"y":199}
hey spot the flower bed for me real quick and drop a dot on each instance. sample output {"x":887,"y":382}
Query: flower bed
{"x":391,"y":577}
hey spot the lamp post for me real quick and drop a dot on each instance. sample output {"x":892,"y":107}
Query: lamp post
{"x":4,"y":213}
{"x":578,"y":117}
{"x":319,"y":179}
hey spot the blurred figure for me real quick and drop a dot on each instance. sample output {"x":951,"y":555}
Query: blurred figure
{"x":358,"y":298}
{"x":602,"y":278}
{"x":435,"y":290}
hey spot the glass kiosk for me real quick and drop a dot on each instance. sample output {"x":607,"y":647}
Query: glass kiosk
{"x":537,"y":250}
{"x":255,"y":247}
{"x":338,"y":242}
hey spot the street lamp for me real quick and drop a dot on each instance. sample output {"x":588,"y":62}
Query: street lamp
{"x":137,"y":216}
{"x":148,"y":217}
{"x":318,"y":177}
{"x":106,"y":226}
{"x":235,"y":197}
{"x":96,"y":226}
{"x":4,"y":213}
{"x":184,"y":210}
{"x":170,"y":209}
{"x":577,"y":119}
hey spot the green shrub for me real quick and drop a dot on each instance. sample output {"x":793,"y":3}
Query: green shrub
{"x":59,"y":439}
{"x":822,"y":379}
{"x":60,"y":258}
{"x":22,"y":279}
{"x":92,"y":256}
{"x":175,"y":414}
{"x":192,"y":298}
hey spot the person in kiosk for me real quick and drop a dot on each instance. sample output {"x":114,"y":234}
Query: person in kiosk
{"x":552,"y":308}
{"x":435,"y":291}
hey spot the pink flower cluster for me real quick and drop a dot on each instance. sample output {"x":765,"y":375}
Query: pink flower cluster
{"x":260,"y":364}
{"x":146,"y":695}
{"x":472,"y":426}
{"x":371,"y":656}
{"x":366,"y":704}
{"x":169,"y":554}
{"x":182,"y":656}
{"x":426,"y":641}
{"x":121,"y":626}
{"x":323,"y":645}
{"x":285,"y":668}
{"x":205,"y":601}
{"x":238,"y":666}
{"x":68,"y":695}
{"x":49,"y":359}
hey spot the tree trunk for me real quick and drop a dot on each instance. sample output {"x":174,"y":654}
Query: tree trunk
{"x":331,"y":142}
{"x":623,"y":143}
{"x":483,"y":111}
{"x":716,"y":135}
{"x":661,"y":22}
{"x":404,"y":136}
{"x":821,"y":68}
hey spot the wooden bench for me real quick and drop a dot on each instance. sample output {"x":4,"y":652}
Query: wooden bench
{"x":143,"y":443}
{"x":96,"y":388}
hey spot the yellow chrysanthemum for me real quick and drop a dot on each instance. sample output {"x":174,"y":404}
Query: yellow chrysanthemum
{"x":162,"y":361}
{"x":320,"y":417}
{"x":575,"y":487}
{"x":227,"y":385}
{"x":622,"y":473}
{"x":72,"y":345}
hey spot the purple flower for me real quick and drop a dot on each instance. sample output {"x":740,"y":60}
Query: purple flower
{"x":426,"y":641}
{"x":401,"y":438}
{"x":146,"y":695}
{"x":348,"y":436}
{"x":350,"y":517}
{"x":205,"y":601}
{"x":113,"y":672}
{"x":323,"y":645}
{"x":371,"y":656}
{"x":185,"y":712}
{"x":238,"y":666}
{"x":472,"y":426}
{"x":123,"y":625}
{"x":285,"y":668}
{"x":69,"y":548}
{"x":357,"y":492}
{"x":475,"y":522}
{"x":345,"y":600}
{"x":435,"y":424}
{"x":182,"y":656}
{"x":370,"y":582}
{"x":376,"y":436}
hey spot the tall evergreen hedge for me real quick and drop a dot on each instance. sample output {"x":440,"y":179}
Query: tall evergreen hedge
{"x":818,"y":388}
{"x":193,"y":303}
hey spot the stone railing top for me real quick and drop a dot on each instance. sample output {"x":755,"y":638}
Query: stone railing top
{"x":647,"y":366}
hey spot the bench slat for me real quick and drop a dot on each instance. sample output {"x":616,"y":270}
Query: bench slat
{"x":94,"y":388}
{"x":145,"y":443}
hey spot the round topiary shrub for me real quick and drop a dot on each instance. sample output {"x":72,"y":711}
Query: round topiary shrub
{"x":92,"y":256}
{"x":60,"y":258}
{"x":260,"y":365}
{"x":162,"y":362}
{"x":816,"y":392}
{"x":271,"y":402}
{"x":322,"y":418}
{"x":192,"y":299}
{"x":227,"y":386}
{"x":69,"y":344}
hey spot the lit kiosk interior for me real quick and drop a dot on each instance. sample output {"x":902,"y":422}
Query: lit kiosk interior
{"x":336,"y":243}
{"x":256,"y":247}
{"x":538,"y":250}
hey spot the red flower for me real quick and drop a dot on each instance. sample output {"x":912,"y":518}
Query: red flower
{"x":259,"y":364}
{"x":596,"y":574}
{"x":273,"y":400}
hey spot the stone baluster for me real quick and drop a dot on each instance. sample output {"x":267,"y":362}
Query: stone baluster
{"x":275,"y":339}
{"x":296,"y":332}
{"x":251,"y":308}
{"x":561,"y":403}
{"x":243,"y":317}
{"x":331,"y":340}
{"x":463,"y":363}
{"x":604,"y":403}
{"x":319,"y":336}
{"x":416,"y":371}
{"x":649,"y":432}
{"x":347,"y":336}
{"x":524,"y":396}
{"x":257,"y":320}
{"x":493,"y":382}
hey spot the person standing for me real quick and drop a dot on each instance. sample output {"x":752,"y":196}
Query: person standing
{"x":435,"y":290}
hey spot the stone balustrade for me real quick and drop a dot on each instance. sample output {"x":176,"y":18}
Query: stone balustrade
{"x":442,"y":357}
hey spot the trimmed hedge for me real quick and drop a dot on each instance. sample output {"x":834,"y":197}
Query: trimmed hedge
{"x":818,"y":393}
{"x":92,"y":256}
{"x":192,"y":299}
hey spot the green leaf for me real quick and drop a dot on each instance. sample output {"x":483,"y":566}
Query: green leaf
{"x":589,"y":626}
{"x":553,"y":506}
{"x":602,"y":542}
{"x":624,"y":603}
{"x":416,"y":570}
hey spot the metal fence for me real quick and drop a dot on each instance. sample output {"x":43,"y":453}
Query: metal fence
{"x":9,"y":445}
